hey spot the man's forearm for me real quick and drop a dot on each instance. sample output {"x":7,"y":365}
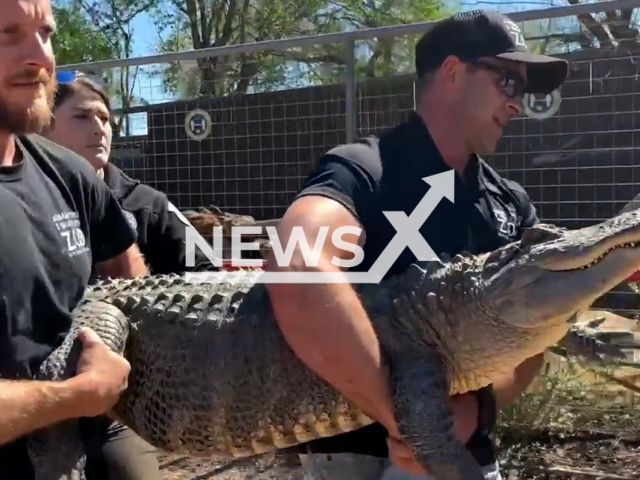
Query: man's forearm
{"x":129,"y":264}
{"x":26,"y":406}
{"x":328,"y":329}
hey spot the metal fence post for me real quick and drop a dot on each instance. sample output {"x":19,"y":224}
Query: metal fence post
{"x":350,"y":94}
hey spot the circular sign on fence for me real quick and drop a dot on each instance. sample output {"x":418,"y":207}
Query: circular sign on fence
{"x":197,"y":125}
{"x":540,"y":106}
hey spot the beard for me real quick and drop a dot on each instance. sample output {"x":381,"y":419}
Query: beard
{"x":18,"y":119}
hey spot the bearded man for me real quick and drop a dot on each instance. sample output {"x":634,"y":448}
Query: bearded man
{"x":57,"y":220}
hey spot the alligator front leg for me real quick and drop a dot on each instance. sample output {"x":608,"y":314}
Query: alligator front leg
{"x":419,"y":390}
{"x":587,"y":341}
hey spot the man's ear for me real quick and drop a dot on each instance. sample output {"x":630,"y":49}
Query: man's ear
{"x":451,"y":69}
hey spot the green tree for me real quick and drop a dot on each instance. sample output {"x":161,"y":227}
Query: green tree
{"x":198,"y":24}
{"x":77,"y":39}
{"x":93,"y":30}
{"x":114,"y":18}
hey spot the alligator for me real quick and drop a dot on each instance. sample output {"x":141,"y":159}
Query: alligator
{"x":623,"y":299}
{"x":205,"y":220}
{"x":212,"y":375}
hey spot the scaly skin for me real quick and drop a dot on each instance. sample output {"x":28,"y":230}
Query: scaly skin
{"x":213,"y":376}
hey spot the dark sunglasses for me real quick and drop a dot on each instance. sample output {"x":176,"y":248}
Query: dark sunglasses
{"x":511,"y":83}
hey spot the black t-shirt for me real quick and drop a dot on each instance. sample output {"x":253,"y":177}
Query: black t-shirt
{"x":54,"y":213}
{"x":373,"y":175}
{"x":160,"y":226}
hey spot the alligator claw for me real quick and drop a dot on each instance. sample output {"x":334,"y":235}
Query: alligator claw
{"x":593,"y":344}
{"x":596,"y":322}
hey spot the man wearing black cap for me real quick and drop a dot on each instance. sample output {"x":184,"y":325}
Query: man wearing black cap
{"x":473,"y":69}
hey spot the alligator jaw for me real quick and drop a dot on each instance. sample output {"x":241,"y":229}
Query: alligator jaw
{"x":631,"y":245}
{"x":586,"y":247}
{"x":553,"y":273}
{"x":560,"y":294}
{"x":581,"y":265}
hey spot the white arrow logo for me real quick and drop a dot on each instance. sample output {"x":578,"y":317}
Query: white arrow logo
{"x":407,"y":235}
{"x":408,"y":228}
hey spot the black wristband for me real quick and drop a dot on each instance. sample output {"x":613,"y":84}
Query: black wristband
{"x":487,"y":410}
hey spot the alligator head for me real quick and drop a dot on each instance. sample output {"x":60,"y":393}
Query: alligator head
{"x":553,"y":272}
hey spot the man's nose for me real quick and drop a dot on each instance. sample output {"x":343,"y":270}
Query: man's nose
{"x":37,"y":53}
{"x":98,"y":129}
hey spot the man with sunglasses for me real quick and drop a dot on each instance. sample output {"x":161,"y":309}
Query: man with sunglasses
{"x":473,"y":69}
{"x":57,"y":221}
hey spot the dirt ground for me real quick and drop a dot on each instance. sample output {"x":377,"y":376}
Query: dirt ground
{"x":186,"y":468}
{"x":578,"y":457}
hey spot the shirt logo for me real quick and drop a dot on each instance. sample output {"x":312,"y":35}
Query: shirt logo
{"x":68,"y":226}
{"x":508,"y":225}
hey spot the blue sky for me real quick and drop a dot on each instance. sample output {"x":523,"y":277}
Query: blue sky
{"x":145,"y":36}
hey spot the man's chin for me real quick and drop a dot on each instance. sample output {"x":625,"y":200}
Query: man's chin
{"x":26,"y":120}
{"x":20,"y":115}
{"x":486,"y":149}
{"x":489,"y":145}
{"x":98,"y":161}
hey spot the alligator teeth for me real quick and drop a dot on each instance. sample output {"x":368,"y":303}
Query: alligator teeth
{"x":624,"y":245}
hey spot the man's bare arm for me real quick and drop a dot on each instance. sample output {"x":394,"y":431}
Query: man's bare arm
{"x":325,"y":324}
{"x":26,"y":406}
{"x":29,"y":405}
{"x":129,"y":264}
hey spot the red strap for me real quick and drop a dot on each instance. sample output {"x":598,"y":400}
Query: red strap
{"x":635,"y":277}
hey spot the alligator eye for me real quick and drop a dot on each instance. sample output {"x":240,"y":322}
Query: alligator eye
{"x":533,"y":235}
{"x":540,"y":233}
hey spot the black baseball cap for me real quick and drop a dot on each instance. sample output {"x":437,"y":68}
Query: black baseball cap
{"x":487,"y":33}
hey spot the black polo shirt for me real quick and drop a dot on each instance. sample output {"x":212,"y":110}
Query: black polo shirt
{"x":373,"y":175}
